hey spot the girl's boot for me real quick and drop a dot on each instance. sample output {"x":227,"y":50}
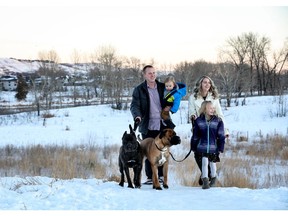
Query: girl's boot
{"x":205,"y":183}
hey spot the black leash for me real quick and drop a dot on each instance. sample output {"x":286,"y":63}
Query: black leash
{"x":193,"y":121}
{"x":173,"y":156}
{"x":183,"y":158}
{"x":136,"y":124}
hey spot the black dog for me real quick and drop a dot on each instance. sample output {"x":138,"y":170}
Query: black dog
{"x":130,"y":156}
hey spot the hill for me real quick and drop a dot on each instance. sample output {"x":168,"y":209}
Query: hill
{"x":14,"y":66}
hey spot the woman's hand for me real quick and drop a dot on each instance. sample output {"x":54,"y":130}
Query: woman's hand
{"x":192,"y":118}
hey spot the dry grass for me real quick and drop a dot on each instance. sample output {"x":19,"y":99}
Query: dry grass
{"x":56,"y":161}
{"x":260,"y":164}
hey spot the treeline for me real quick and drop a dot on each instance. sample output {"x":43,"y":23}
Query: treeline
{"x":246,"y":66}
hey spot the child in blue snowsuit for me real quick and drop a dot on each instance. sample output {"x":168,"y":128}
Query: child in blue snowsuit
{"x":173,"y":94}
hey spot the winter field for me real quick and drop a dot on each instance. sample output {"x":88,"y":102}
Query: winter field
{"x":103,"y":126}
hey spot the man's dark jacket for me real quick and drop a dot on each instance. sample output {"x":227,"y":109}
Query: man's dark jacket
{"x":140,"y":104}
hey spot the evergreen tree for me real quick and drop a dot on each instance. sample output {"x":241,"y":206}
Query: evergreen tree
{"x":22,"y":88}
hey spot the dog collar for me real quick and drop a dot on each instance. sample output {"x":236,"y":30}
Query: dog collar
{"x":162,"y":150}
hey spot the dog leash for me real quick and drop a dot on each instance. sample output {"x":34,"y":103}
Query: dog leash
{"x":183,"y":158}
{"x":136,"y":124}
{"x":173,"y":156}
{"x":193,"y":121}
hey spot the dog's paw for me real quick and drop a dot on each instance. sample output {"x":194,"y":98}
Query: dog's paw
{"x":165,"y":186}
{"x":137,"y":184}
{"x":121,"y":184}
{"x":130,"y":185}
{"x":157,"y":188}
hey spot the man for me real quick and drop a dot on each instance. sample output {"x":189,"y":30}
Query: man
{"x":146,"y":107}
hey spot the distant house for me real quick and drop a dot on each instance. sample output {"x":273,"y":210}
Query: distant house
{"x":8,"y":83}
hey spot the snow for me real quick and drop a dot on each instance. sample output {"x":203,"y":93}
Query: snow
{"x":105,"y":126}
{"x":95,"y":194}
{"x":31,"y":66}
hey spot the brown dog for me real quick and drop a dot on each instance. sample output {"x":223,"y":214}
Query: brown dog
{"x":157,"y":152}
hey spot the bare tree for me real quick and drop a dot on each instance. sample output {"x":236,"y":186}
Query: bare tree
{"x":236,"y":51}
{"x":133,"y":67}
{"x":258,"y":71}
{"x":258,"y":49}
{"x":276,"y":69}
{"x":76,"y":59}
{"x":183,"y":72}
{"x":112,"y":86}
{"x":44,"y":85}
{"x":228,"y":80}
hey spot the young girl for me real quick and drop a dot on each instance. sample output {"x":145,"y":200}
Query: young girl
{"x":208,"y":140}
{"x":173,"y":94}
{"x":204,"y":90}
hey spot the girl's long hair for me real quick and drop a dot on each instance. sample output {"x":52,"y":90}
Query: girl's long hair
{"x":202,"y":110}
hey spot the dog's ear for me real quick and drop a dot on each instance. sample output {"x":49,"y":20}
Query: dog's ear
{"x":125,"y":133}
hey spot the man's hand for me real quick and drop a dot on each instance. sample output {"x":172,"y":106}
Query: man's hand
{"x":167,"y":108}
{"x":137,"y":121}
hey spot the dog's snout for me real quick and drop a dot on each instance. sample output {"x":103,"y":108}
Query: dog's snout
{"x":175,"y":140}
{"x":130,"y":146}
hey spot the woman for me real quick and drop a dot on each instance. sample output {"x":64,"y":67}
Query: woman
{"x":205,"y":90}
{"x":208,"y":141}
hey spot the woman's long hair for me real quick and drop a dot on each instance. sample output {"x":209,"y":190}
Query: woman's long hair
{"x":198,"y":90}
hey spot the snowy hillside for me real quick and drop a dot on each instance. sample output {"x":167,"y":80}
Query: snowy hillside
{"x":11,"y":65}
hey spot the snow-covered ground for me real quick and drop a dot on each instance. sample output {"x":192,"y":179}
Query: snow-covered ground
{"x":103,"y":125}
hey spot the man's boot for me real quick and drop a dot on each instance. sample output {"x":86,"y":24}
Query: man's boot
{"x":205,"y":183}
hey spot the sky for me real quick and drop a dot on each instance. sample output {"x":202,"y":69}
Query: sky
{"x":169,"y":32}
{"x":99,"y":196}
